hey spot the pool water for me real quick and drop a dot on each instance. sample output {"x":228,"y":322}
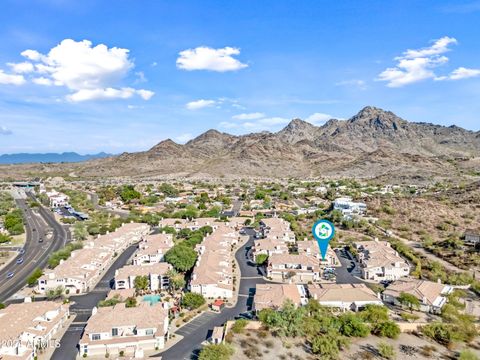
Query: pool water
{"x":152,"y":299}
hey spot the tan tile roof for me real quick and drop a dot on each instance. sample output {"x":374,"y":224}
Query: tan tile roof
{"x":16,"y":319}
{"x":342,"y":292}
{"x":142,"y":316}
{"x":274,"y":295}
{"x":421,"y":289}
{"x":142,"y":270}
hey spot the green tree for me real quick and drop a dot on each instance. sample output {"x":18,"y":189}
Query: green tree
{"x":261,"y":258}
{"x":176,"y":280}
{"x":128,"y":193}
{"x":5,"y":238}
{"x":352,"y":325}
{"x":80,"y":231}
{"x":374,"y":313}
{"x":386,"y":329}
{"x":216,"y":352}
{"x":192,"y":300}
{"x":141,"y":283}
{"x":181,"y":257}
{"x":408,"y":300}
{"x":130,"y":302}
{"x":328,"y":345}
{"x":34,"y":276}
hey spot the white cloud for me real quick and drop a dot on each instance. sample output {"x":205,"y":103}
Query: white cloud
{"x":42,"y":81}
{"x":22,"y":67}
{"x":183,"y":138}
{"x":257,"y":125}
{"x":318,"y":118}
{"x":5,"y":131}
{"x":417,"y":65}
{"x":89,"y":72}
{"x":460,"y":73}
{"x":11,"y":79}
{"x":200,"y":104}
{"x":248,"y":116}
{"x":205,"y":58}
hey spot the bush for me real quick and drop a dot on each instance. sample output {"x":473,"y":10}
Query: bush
{"x":216,"y":352}
{"x":33,"y":278}
{"x":386,"y":328}
{"x":239,"y":326}
{"x":386,"y":351}
{"x":467,"y":355}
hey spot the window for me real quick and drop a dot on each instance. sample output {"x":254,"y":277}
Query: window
{"x":95,"y":336}
{"x":149,"y":332}
{"x":114,"y":332}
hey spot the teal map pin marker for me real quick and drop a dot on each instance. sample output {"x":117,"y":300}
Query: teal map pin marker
{"x":323,"y":231}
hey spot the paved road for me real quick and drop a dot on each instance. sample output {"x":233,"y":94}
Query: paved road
{"x":36,"y":253}
{"x":344,"y":273}
{"x":83,"y":305}
{"x":200,"y":329}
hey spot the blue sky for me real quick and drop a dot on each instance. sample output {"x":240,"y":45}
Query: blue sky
{"x":116,"y":76}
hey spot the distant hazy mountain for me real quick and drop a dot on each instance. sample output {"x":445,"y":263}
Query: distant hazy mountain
{"x":373,"y":144}
{"x":70,"y":157}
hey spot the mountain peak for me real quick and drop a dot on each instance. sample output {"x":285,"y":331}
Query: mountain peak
{"x":297,"y":130}
{"x":377,"y":118}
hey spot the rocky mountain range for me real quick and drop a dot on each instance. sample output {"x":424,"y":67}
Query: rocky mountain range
{"x":372,"y":144}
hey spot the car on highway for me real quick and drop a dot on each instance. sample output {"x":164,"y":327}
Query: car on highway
{"x":21,"y":251}
{"x":10,"y":274}
{"x":40,"y":240}
{"x":19,"y":261}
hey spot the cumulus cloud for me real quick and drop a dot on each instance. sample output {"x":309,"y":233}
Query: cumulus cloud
{"x":89,"y":72}
{"x":249,"y":116}
{"x":11,"y":79}
{"x":200,"y":104}
{"x":206,"y":58}
{"x":266,"y":123}
{"x":5,"y":131}
{"x":460,"y":73}
{"x":420,"y":64}
{"x":318,"y":118}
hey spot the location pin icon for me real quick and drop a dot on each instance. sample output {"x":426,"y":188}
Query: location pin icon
{"x":323,"y":231}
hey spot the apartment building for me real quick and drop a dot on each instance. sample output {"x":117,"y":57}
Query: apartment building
{"x":299,"y":268}
{"x":345,"y":297}
{"x":379,"y":261}
{"x":195,"y":224}
{"x":152,"y":249}
{"x":431,"y":295}
{"x":57,"y":199}
{"x":83,"y":269}
{"x":119,"y":330}
{"x":310,"y":248}
{"x":156,"y":273}
{"x":213,"y":273}
{"x":30,"y":326}
{"x":277,"y":228}
{"x":348,"y":207}
{"x":268,"y":247}
{"x":273,"y":296}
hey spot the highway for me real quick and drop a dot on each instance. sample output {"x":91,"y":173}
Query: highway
{"x":36,"y":253}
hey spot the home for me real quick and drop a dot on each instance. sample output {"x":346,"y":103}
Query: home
{"x":299,"y":268}
{"x":268,"y":247}
{"x":29,"y":327}
{"x":310,"y":248}
{"x":431,"y":295}
{"x":348,"y":207}
{"x":345,"y":297}
{"x":379,"y":261}
{"x":152,"y":249}
{"x":57,"y":199}
{"x":213,"y":273}
{"x":277,"y":228}
{"x":126,"y":331}
{"x":273,"y":296}
{"x":82,"y":270}
{"x":155,"y":272}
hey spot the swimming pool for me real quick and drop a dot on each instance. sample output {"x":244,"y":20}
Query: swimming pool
{"x":152,"y":299}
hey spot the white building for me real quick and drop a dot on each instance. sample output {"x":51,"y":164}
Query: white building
{"x":344,"y":296}
{"x":27,"y":327}
{"x":379,"y":261}
{"x":119,"y":330}
{"x":349,"y":207}
{"x":299,"y":268}
{"x":156,"y":273}
{"x":152,"y":249}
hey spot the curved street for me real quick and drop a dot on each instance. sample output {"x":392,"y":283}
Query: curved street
{"x":36,"y":252}
{"x":198,"y":330}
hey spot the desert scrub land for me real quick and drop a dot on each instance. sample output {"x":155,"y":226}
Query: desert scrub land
{"x":436,"y":223}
